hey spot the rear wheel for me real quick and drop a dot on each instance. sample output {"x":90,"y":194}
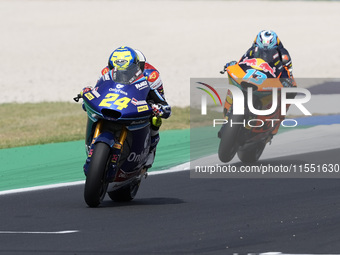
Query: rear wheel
{"x":95,"y":185}
{"x":229,"y":140}
{"x":125,"y":193}
{"x":251,"y":154}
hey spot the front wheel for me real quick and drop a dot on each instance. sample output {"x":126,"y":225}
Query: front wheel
{"x":251,"y":154}
{"x":229,"y":140}
{"x":95,"y":185}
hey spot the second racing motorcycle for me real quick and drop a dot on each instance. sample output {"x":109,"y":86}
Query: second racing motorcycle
{"x":251,"y":132}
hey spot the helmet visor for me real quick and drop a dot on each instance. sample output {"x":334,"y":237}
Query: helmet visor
{"x":128,"y":75}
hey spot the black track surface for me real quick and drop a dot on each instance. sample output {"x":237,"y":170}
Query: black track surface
{"x":173,"y":214}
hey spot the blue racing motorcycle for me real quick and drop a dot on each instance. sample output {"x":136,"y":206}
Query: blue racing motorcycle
{"x":117,"y":138}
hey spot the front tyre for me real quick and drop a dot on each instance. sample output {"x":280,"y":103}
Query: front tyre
{"x":95,"y":185}
{"x":229,"y":140}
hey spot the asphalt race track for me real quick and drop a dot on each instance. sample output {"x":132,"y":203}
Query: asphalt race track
{"x":174,"y":214}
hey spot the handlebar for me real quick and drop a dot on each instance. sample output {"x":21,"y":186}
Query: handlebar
{"x":77,"y":98}
{"x":224,"y":69}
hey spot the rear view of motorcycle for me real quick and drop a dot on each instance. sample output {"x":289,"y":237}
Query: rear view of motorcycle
{"x":259,"y":80}
{"x":117,"y":139}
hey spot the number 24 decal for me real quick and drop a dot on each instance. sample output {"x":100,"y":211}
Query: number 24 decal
{"x":112,"y":98}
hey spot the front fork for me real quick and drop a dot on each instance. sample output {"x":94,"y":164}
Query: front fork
{"x":116,"y":153}
{"x":97,"y":131}
{"x":115,"y":145}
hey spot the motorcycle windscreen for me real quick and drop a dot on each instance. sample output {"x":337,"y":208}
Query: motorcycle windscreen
{"x":128,"y":75}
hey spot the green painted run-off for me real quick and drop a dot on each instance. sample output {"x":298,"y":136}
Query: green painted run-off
{"x":63,"y":162}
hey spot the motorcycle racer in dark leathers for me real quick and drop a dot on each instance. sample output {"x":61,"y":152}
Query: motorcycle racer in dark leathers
{"x":268,"y":39}
{"x":119,"y":63}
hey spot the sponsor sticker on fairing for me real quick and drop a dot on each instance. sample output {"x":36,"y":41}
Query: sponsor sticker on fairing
{"x":141,"y":85}
{"x":95,"y":92}
{"x":89,"y":96}
{"x":134,"y":101}
{"x":106,"y":77}
{"x":118,"y":91}
{"x":142,"y":108}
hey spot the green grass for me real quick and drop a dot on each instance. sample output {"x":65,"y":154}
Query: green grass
{"x":40,"y":123}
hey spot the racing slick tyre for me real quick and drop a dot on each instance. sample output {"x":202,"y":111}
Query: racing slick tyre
{"x":251,"y":154}
{"x":95,"y":184}
{"x":125,"y":193}
{"x":229,"y":140}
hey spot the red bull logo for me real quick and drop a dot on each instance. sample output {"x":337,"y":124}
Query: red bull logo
{"x":249,"y":62}
{"x":259,"y":64}
{"x":267,"y":68}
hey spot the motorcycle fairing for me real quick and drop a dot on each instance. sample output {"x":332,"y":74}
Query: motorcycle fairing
{"x":120,"y":105}
{"x":262,"y":72}
{"x":125,"y":104}
{"x":136,"y":157}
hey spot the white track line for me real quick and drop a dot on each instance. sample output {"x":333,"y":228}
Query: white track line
{"x":43,"y":187}
{"x":41,"y":232}
{"x":182,"y":167}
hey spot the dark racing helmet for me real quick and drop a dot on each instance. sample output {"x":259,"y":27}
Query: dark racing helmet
{"x":267,"y":39}
{"x":124,"y":63}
